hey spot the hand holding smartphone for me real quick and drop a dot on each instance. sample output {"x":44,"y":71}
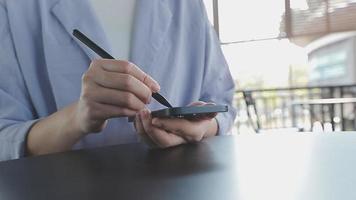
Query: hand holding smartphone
{"x":190,"y":112}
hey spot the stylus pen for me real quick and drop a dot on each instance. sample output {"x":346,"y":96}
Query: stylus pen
{"x":101,"y":52}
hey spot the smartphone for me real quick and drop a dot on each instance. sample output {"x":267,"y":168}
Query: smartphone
{"x":189,"y":112}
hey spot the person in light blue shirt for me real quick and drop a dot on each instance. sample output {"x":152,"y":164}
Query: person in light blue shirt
{"x":55,"y":94}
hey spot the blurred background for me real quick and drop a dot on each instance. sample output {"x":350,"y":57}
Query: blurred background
{"x":293,"y":62}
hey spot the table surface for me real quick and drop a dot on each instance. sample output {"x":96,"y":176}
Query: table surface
{"x":274,"y":166}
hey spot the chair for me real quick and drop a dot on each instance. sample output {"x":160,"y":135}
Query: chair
{"x":254,"y":118}
{"x":252,"y":110}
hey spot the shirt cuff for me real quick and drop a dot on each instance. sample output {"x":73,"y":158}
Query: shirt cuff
{"x":222,"y":125}
{"x":14,"y":140}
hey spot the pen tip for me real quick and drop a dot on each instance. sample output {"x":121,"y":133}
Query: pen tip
{"x":75,"y":31}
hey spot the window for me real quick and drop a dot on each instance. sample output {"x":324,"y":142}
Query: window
{"x":253,"y":64}
{"x":264,"y":42}
{"x":330,"y":62}
{"x":209,"y":9}
{"x":242,"y":20}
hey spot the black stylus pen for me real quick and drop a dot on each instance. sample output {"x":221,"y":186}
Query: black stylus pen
{"x":102,"y":53}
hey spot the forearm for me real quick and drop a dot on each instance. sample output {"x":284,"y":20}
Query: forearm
{"x":56,"y":133}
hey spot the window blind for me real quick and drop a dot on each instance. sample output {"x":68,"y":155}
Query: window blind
{"x":318,"y":17}
{"x":254,"y":20}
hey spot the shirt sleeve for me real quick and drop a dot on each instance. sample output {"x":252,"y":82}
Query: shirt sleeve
{"x":16,"y":112}
{"x":218,"y":85}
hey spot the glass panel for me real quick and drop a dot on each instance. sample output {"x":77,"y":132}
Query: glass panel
{"x":242,"y":20}
{"x":331,"y":62}
{"x":209,"y":9}
{"x":264,"y":64}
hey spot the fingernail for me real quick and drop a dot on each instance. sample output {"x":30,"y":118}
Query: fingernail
{"x":142,"y":114}
{"x":156,"y":87}
{"x":149,"y":99}
{"x":146,"y":114}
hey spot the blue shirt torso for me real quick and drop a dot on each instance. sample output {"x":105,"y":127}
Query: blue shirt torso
{"x":41,"y":69}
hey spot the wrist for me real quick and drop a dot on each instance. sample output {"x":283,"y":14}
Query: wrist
{"x":63,"y":129}
{"x":73,"y":124}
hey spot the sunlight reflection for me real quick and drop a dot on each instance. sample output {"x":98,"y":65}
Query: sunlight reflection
{"x":286,"y":156}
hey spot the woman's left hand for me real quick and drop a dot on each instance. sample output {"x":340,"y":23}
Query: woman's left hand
{"x":169,"y":132}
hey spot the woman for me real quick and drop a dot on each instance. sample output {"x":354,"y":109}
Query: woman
{"x":55,"y":93}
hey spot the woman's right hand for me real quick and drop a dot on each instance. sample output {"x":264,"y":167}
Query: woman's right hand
{"x":111,"y":88}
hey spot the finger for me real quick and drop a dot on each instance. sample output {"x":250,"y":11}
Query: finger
{"x":189,"y":130}
{"x":126,"y":67}
{"x":124,"y":82}
{"x":98,"y":111}
{"x":173,"y":125}
{"x":112,"y":97}
{"x":138,"y":125}
{"x":201,"y":117}
{"x":210,"y":116}
{"x":198,"y":103}
{"x":141,"y":132}
{"x":162,"y":138}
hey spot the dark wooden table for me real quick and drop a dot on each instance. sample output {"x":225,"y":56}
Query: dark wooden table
{"x":276,"y":166}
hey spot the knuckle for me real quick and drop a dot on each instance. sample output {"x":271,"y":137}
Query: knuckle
{"x":124,"y":112}
{"x":196,"y":138}
{"x":148,"y":96}
{"x":91,"y":110}
{"x":86,"y":77}
{"x":118,"y":111}
{"x":141,"y":106}
{"x":145,"y":77}
{"x":127,"y":81}
{"x":126,"y":68}
{"x":95,"y":63}
{"x":129,"y":99}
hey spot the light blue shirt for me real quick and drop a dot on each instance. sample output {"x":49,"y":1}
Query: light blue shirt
{"x":41,"y":64}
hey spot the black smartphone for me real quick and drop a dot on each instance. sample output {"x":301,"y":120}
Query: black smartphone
{"x":189,"y":112}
